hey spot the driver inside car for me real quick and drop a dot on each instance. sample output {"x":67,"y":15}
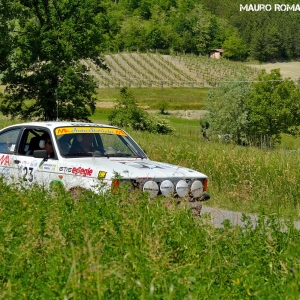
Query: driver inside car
{"x":83,"y":143}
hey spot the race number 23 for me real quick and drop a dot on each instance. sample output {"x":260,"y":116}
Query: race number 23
{"x":27,"y":174}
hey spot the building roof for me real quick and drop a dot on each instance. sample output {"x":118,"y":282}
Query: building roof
{"x":217,"y":50}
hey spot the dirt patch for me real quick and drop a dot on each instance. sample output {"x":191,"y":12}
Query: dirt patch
{"x":105,"y":104}
{"x":184,"y":114}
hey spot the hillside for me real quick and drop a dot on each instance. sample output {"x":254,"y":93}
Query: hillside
{"x":157,"y":70}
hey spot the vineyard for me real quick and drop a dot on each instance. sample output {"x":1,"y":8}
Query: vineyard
{"x":157,"y":70}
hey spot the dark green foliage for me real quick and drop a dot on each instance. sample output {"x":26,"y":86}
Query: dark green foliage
{"x":43,"y":67}
{"x":194,"y":27}
{"x":269,"y":35}
{"x":273,"y":107}
{"x":126,"y":246}
{"x":5,"y":38}
{"x":127,"y":113}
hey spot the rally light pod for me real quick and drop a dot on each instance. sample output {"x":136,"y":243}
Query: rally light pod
{"x":151,"y":187}
{"x":182,"y":188}
{"x":197,"y":188}
{"x":167,"y":188}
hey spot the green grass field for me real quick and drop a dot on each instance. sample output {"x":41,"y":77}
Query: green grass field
{"x":126,"y":246}
{"x":176,"y":97}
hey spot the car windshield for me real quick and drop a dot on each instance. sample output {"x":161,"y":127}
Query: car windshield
{"x":79,"y":141}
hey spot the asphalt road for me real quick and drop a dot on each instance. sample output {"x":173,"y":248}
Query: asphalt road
{"x":217,"y":216}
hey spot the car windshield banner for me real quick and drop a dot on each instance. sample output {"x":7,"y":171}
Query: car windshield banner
{"x":88,"y":130}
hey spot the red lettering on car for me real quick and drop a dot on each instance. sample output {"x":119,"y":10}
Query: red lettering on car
{"x":4,"y":160}
{"x":82,"y":171}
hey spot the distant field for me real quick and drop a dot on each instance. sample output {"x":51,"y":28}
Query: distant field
{"x":287,"y":69}
{"x":178,"y":98}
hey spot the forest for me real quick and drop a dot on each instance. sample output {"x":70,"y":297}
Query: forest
{"x":197,"y":26}
{"x":185,"y":26}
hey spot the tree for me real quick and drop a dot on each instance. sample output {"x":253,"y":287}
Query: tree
{"x":5,"y":38}
{"x":234,"y":48}
{"x":251,"y":112}
{"x":273,"y":106}
{"x":227,"y":110}
{"x":49,"y":39}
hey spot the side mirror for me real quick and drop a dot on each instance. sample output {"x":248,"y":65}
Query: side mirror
{"x":40,"y":154}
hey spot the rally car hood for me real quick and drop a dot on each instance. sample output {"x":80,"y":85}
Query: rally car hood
{"x":137,"y":168}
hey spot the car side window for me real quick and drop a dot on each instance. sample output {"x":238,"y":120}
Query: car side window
{"x":8,"y":140}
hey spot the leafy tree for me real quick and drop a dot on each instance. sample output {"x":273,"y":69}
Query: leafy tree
{"x":132,"y":34}
{"x":5,"y":37}
{"x":127,"y":113}
{"x":246,"y":112}
{"x":163,"y":106}
{"x":273,"y":106}
{"x":234,"y":48}
{"x":228,"y":111}
{"x":49,"y":40}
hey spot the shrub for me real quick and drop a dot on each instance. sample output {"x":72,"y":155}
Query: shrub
{"x":127,"y":113}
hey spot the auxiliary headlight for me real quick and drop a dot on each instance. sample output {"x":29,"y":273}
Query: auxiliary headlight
{"x":151,"y":187}
{"x":167,"y":188}
{"x":197,"y":188}
{"x":182,"y":188}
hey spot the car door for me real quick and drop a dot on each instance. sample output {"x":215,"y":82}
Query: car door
{"x":32,"y":168}
{"x":9,"y":140}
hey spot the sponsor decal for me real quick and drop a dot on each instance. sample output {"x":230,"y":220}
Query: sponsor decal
{"x":4,"y":160}
{"x":65,"y":169}
{"x":48,"y":167}
{"x":101,"y":174}
{"x":88,"y":130}
{"x":82,"y":171}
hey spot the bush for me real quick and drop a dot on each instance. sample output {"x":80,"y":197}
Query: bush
{"x":127,"y":113}
{"x":163,"y":106}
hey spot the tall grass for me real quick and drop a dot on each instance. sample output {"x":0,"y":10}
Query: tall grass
{"x":246,"y":179}
{"x":240,"y":178}
{"x":125,"y":246}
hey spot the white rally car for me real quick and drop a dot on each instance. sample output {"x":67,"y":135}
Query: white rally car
{"x":111,"y":157}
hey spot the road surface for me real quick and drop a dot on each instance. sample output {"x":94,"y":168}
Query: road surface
{"x":217,"y":216}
